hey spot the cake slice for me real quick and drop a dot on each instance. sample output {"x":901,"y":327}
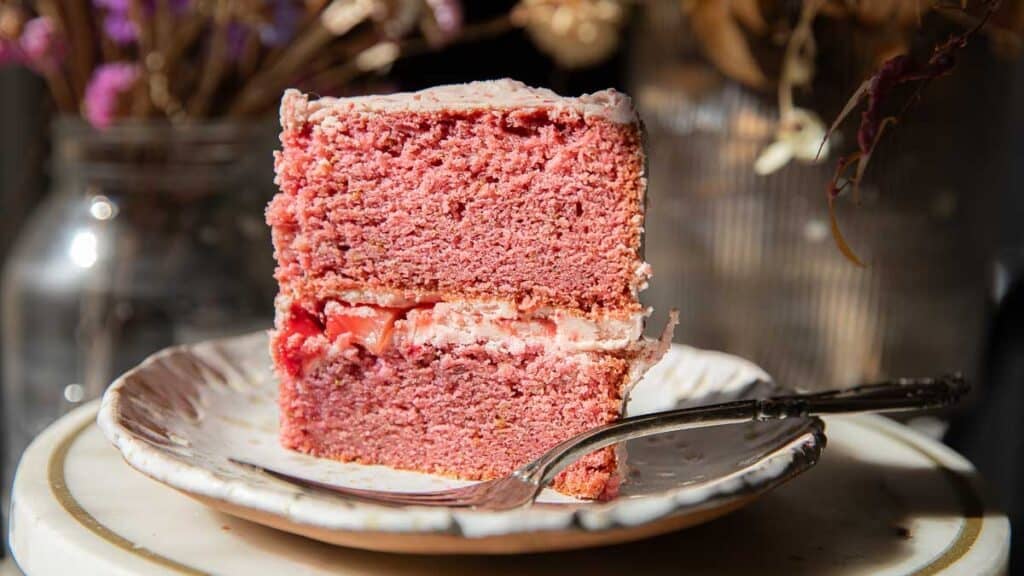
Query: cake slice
{"x":458,"y":273}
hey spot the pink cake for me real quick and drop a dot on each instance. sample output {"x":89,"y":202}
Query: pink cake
{"x":458,"y":273}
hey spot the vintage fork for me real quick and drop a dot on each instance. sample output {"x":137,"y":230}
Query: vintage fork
{"x":522,"y":486}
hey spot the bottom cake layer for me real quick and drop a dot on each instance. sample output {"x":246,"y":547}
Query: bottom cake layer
{"x":472,"y":411}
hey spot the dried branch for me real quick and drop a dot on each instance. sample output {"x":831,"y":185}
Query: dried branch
{"x":874,"y":93}
{"x":188,"y":51}
{"x":717,"y":28}
{"x":81,"y":31}
{"x":332,"y":78}
{"x":141,"y":102}
{"x":216,"y":62}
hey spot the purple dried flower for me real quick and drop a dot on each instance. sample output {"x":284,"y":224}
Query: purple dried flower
{"x":448,"y":15}
{"x":284,"y":21}
{"x":118,"y":23}
{"x":41,"y":44}
{"x":283,"y":24}
{"x":177,"y":6}
{"x":113,"y":5}
{"x":120,"y":28}
{"x":124,"y":6}
{"x":236,"y":35}
{"x":104,"y":96}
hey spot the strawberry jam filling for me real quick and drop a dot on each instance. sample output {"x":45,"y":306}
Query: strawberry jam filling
{"x":299,"y":325}
{"x":376,"y":328}
{"x":368,"y":326}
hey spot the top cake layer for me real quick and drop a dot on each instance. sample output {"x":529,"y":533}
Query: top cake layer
{"x":484,"y":191}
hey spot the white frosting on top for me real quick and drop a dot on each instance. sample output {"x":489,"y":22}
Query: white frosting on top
{"x":614,"y":106}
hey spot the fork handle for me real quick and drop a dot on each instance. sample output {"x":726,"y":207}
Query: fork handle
{"x":905,"y":394}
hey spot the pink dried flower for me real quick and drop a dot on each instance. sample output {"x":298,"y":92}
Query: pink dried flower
{"x":105,"y":94}
{"x":120,"y":28}
{"x":41,"y":44}
{"x":448,"y":15}
{"x":10,"y":53}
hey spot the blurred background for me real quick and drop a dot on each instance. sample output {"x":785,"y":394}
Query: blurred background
{"x":135,"y":162}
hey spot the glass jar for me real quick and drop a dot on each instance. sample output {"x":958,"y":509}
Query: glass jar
{"x":152,"y":235}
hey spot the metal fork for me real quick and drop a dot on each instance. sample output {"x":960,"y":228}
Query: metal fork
{"x":522,"y":486}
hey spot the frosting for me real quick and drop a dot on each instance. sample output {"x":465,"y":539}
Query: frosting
{"x":611,"y":105}
{"x":449,"y":323}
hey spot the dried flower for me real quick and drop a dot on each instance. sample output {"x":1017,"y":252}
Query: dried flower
{"x":448,"y":16}
{"x":378,"y":56}
{"x":41,"y":44}
{"x":237,"y":34}
{"x":576,"y":34}
{"x":284,"y":20}
{"x":120,"y":28}
{"x":113,"y":5}
{"x":117,"y":21}
{"x":200,"y":58}
{"x":396,"y":18}
{"x":339,"y":17}
{"x":875,"y":92}
{"x":10,"y":52}
{"x":800,"y":131}
{"x":12,"y":18}
{"x":798,"y":137}
{"x":719,"y":27}
{"x":11,"y":22}
{"x":105,"y":94}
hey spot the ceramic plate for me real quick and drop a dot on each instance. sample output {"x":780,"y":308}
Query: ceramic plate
{"x":182,"y":416}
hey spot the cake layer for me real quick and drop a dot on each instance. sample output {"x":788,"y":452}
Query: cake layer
{"x":539,"y":205}
{"x":471,"y":412}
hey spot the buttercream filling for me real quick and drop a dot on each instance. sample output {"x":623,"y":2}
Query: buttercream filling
{"x":302,"y":333}
{"x":337,"y":326}
{"x":449,"y":323}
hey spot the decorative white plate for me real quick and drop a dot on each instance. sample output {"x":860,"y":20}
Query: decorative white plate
{"x":184,"y":413}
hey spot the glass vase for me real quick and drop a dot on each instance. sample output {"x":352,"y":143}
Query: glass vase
{"x":151,"y":235}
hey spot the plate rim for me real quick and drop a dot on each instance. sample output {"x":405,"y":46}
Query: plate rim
{"x":795,"y":456}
